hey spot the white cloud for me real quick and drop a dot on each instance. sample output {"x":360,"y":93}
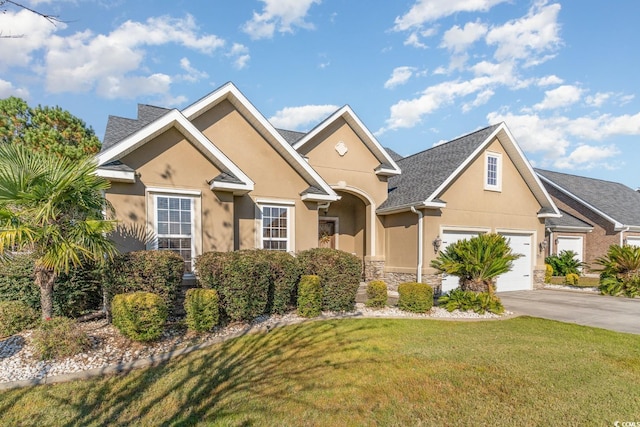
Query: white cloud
{"x":459,"y":39}
{"x":551,"y":80}
{"x":561,"y":96}
{"x":528,"y":38}
{"x":7,"y":89}
{"x":241,"y":54}
{"x":587,"y":156}
{"x":424,"y":11}
{"x":192,"y":74}
{"x":598,"y":99}
{"x":482,"y":98}
{"x":82,"y":61}
{"x":399,"y":76}
{"x":295,"y":118}
{"x":280,"y":15}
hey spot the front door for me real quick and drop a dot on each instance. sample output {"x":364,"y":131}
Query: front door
{"x":327,"y":233}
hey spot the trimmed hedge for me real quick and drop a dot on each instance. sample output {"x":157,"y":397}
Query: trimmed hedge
{"x":16,"y":316}
{"x":75,"y":294}
{"x":158,"y":272}
{"x":415,"y":297}
{"x":250,"y":282}
{"x":376,"y":294}
{"x":309,"y":296}
{"x":59,"y":337}
{"x":139,"y":316}
{"x":201,"y":306}
{"x":340,"y":275}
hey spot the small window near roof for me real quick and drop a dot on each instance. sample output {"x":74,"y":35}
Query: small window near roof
{"x":493,"y":171}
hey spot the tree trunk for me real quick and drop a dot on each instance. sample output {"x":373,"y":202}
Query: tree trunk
{"x":477,"y":286}
{"x":45,"y":280}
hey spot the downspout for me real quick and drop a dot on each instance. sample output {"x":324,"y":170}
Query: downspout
{"x":624,"y":230}
{"x":550,"y":242}
{"x":419,"y":267}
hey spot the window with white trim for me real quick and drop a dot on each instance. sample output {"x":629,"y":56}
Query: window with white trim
{"x":493,"y":171}
{"x":276,"y":230}
{"x":174,"y":226}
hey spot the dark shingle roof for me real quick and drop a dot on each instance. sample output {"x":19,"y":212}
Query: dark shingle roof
{"x":424,"y":172}
{"x":228,"y":177}
{"x":615,"y":200}
{"x":566,"y":220}
{"x":395,"y":156}
{"x":118,"y":128}
{"x":313,"y":190}
{"x":291,"y":136}
{"x":117,"y":165}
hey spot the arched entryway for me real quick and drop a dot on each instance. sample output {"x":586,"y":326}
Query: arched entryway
{"x":343,"y":225}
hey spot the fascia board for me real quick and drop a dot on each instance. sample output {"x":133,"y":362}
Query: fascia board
{"x":118,"y":176}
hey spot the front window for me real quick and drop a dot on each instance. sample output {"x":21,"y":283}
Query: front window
{"x":174,"y":226}
{"x":493,"y":170}
{"x":275,"y":228}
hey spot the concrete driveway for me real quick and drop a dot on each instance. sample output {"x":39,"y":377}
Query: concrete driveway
{"x":601,"y":311}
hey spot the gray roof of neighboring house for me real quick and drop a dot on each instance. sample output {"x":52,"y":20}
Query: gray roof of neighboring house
{"x":566,"y":220}
{"x":291,"y":136}
{"x":395,"y":156}
{"x":118,"y":128}
{"x":117,"y":165}
{"x":615,"y":200}
{"x":424,"y":172}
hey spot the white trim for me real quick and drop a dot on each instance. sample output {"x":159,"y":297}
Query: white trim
{"x":498,"y":185}
{"x":116,"y":175}
{"x":290,"y":208}
{"x":231,"y":93}
{"x":276,"y":202}
{"x":361,"y":130}
{"x":342,"y":186}
{"x":455,"y":228}
{"x":336,"y":229}
{"x":172,"y":191}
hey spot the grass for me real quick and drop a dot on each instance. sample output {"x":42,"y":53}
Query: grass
{"x":583,"y":281}
{"x":522,"y":371}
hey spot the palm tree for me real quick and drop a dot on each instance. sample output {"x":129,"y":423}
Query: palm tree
{"x":53,"y":208}
{"x":477,"y":261}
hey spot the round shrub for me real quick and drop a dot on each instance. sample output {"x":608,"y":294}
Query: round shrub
{"x":284,"y":274}
{"x":415,"y":297}
{"x":548,"y":273}
{"x":571,"y":279}
{"x":16,"y":316}
{"x":376,"y":294}
{"x":158,"y":272}
{"x":139,"y":316}
{"x":340,"y":275}
{"x":59,"y":337}
{"x":309,"y":296}
{"x":201,"y":306}
{"x":210,"y":268}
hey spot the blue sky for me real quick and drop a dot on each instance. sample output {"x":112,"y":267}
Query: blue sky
{"x":563,"y":75}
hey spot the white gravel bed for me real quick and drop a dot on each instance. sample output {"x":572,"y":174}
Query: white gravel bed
{"x":17,"y":360}
{"x":573,"y":288}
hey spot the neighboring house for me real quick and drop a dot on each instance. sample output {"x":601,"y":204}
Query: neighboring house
{"x":596,"y":215}
{"x":478,"y":183}
{"x":217,"y":176}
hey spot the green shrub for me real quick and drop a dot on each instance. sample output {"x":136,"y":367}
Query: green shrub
{"x":201,"y":306}
{"x":16,"y":316}
{"x":620,"y":271}
{"x":75,"y":293}
{"x":548,"y":273}
{"x":614,"y":286}
{"x":158,"y":272}
{"x":564,"y":263}
{"x":59,"y":337}
{"x":250,"y":282}
{"x":309,"y":296}
{"x":340,"y":275}
{"x":376,"y":294}
{"x":139,"y":316}
{"x":415,"y":297}
{"x":480,"y":303}
{"x":571,"y":279}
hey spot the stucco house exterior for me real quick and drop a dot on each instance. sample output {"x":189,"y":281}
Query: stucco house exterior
{"x":595,"y":215}
{"x":217,"y":176}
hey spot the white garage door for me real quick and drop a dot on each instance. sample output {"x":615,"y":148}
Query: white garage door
{"x":448,"y":238}
{"x":520,"y":276}
{"x":633,"y":240}
{"x":570,"y":243}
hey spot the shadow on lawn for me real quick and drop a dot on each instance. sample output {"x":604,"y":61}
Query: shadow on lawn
{"x":201,"y":386}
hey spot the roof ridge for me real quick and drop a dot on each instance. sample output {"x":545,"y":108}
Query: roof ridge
{"x":582,"y":177}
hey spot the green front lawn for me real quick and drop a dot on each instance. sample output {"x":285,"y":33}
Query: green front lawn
{"x":523,"y":371}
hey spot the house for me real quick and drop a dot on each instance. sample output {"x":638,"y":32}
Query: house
{"x":596,"y":215}
{"x":217,"y":176}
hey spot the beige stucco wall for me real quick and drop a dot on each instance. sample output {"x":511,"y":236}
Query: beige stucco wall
{"x":351,"y":213}
{"x":351,"y":173}
{"x":468,"y":206}
{"x":274,"y":178}
{"x":172,"y":163}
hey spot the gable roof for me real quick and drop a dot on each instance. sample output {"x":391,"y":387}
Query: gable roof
{"x":229,"y":92}
{"x":387,"y":167}
{"x":118,"y":128}
{"x":172,"y":119}
{"x":567,"y":222}
{"x":613,"y":201}
{"x":426,"y":175}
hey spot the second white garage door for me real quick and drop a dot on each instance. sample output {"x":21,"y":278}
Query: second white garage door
{"x":520,"y":276}
{"x":570,"y":243}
